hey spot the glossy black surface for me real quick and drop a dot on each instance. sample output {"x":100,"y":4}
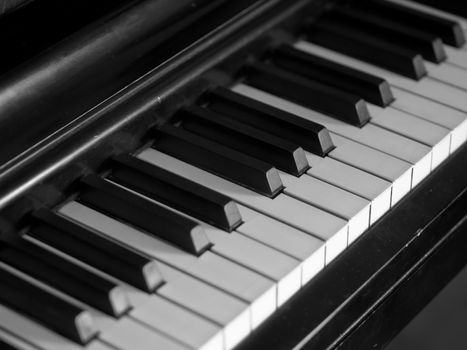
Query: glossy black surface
{"x":153,"y":218}
{"x":61,"y":274}
{"x":283,"y":154}
{"x":337,"y":302}
{"x":313,"y":94}
{"x":364,"y":46}
{"x":371,"y":88}
{"x":42,"y":306}
{"x":92,"y":248}
{"x":449,"y":31}
{"x":211,"y":156}
{"x":311,"y":136}
{"x":176,"y":192}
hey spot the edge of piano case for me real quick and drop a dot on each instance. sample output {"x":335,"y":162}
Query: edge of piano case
{"x":359,"y":301}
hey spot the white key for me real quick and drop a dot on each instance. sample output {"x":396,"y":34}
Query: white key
{"x":282,"y":269}
{"x":448,"y":73}
{"x":435,"y":112}
{"x":456,"y":56}
{"x":435,"y":136}
{"x":284,"y":208}
{"x":431,"y":10}
{"x":32,"y":332}
{"x":335,"y":200}
{"x":392,"y":169}
{"x":179,"y":324}
{"x":232,"y":314}
{"x":15,"y":341}
{"x":131,"y":335}
{"x":351,"y":179}
{"x":303,"y":247}
{"x":224,"y":274}
{"x":427,"y":87}
{"x":370,"y":135}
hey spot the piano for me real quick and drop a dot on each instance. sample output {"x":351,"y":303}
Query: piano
{"x":220,"y":175}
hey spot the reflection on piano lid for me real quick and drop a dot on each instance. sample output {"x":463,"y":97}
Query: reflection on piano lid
{"x":229,"y":175}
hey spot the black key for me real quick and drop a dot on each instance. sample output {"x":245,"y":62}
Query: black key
{"x":310,"y":136}
{"x":153,"y":218}
{"x":65,"y":276}
{"x":341,"y":105}
{"x":52,"y":311}
{"x":95,"y":250}
{"x":364,"y":46}
{"x":428,"y":45}
{"x":369,"y":87}
{"x":449,"y":31}
{"x":283,"y":154}
{"x":176,"y":192}
{"x":213,"y":157}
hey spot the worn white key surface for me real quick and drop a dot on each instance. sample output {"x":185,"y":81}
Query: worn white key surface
{"x":375,"y":162}
{"x":232,"y":314}
{"x":351,"y":179}
{"x":370,"y":135}
{"x":241,"y":282}
{"x":427,"y":87}
{"x":303,"y":247}
{"x":435,"y":136}
{"x":283,"y":208}
{"x":350,"y":207}
{"x":178,"y":323}
{"x":450,"y":118}
{"x":41,"y":337}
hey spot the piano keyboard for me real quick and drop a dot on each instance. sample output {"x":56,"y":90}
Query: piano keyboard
{"x":195,"y":240}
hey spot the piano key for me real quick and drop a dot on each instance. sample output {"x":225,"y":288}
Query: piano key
{"x":232,"y":314}
{"x":392,"y":169}
{"x":429,"y":88}
{"x":335,"y":200}
{"x":149,"y":216}
{"x":310,"y":136}
{"x":457,"y":57}
{"x":449,"y":74}
{"x":129,"y":334}
{"x":309,"y":250}
{"x":179,"y":324}
{"x":449,"y":31}
{"x":39,"y":336}
{"x":235,"y":166}
{"x":435,"y":136}
{"x":67,"y":319}
{"x":65,"y":276}
{"x":433,"y":11}
{"x":283,"y":154}
{"x":282,"y":269}
{"x":370,"y":135}
{"x":284,"y":208}
{"x":247,"y":285}
{"x":94,"y":249}
{"x":365,"y":47}
{"x":437,"y":113}
{"x":342,"y":105}
{"x":11,"y":342}
{"x":371,"y":88}
{"x":176,"y":191}
{"x":428,"y":45}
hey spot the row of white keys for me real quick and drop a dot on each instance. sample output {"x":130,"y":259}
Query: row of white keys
{"x":258,"y":291}
{"x":413,"y":152}
{"x":307,"y":249}
{"x":456,"y":56}
{"x":284,"y":208}
{"x":354,"y":209}
{"x":15,"y":341}
{"x":375,"y":162}
{"x":435,"y":136}
{"x":426,"y":87}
